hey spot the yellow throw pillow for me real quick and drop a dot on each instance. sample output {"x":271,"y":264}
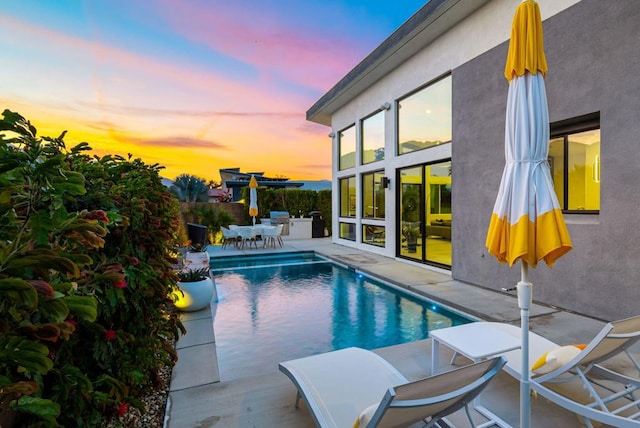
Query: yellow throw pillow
{"x":366,"y":416}
{"x":556,"y":358}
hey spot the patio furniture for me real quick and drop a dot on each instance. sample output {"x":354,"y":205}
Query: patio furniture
{"x":229,"y":237}
{"x":583,"y":385}
{"x":476,"y":341}
{"x":354,"y":385}
{"x":471,"y":340}
{"x":247,"y":236}
{"x":271,"y":235}
{"x":268,"y":236}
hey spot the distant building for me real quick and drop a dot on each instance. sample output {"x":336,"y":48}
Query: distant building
{"x":219,"y":195}
{"x":232,"y":180}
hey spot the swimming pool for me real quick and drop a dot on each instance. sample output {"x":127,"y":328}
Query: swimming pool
{"x":276,"y":309}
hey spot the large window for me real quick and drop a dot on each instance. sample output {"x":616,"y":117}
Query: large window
{"x":373,"y":138}
{"x":348,"y":197}
{"x":347,"y":147}
{"x":372,"y":195}
{"x":424,"y":118}
{"x":574,"y":159}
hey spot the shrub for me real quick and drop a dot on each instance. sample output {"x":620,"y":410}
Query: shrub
{"x":85,"y":281}
{"x":324,"y":206}
{"x":296,"y":201}
{"x":211,"y":216}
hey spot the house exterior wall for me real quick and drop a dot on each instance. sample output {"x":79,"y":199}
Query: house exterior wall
{"x":594,"y":58}
{"x":488,"y":27}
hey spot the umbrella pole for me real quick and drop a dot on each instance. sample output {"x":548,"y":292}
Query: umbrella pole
{"x":524,"y":302}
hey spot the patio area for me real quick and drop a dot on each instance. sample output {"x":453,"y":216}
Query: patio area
{"x":199,"y":399}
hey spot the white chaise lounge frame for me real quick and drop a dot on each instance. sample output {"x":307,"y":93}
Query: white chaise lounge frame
{"x":615,"y":338}
{"x":337,"y":386}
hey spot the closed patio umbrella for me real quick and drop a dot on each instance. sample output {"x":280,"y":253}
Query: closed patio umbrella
{"x":253,"y":198}
{"x":526,"y":223}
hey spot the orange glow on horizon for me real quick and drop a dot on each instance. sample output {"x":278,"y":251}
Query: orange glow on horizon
{"x":270,"y":156}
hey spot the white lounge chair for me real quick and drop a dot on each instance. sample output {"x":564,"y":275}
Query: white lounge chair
{"x":612,"y":397}
{"x":353,"y":384}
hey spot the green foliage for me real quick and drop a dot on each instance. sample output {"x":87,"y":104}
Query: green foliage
{"x":189,"y":188}
{"x":324,"y":206}
{"x":411,"y":232}
{"x":211,"y":216}
{"x":411,"y":203}
{"x":197,"y":248}
{"x":86,"y":278}
{"x":296,"y":201}
{"x":193,"y":275}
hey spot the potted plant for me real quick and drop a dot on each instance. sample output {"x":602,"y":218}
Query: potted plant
{"x":196,"y":289}
{"x":193,"y":256}
{"x":411,"y":234}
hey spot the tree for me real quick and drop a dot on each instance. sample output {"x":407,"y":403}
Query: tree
{"x":189,"y":188}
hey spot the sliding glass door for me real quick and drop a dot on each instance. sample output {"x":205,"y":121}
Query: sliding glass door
{"x":411,"y":212}
{"x":424,"y":213}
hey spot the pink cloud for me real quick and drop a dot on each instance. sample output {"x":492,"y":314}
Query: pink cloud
{"x":127,"y":76}
{"x":314,"y":59}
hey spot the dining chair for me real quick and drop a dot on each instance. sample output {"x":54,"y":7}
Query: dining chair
{"x":247,"y":235}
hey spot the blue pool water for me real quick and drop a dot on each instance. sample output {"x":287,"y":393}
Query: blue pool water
{"x":277,"y":259}
{"x":276,"y":309}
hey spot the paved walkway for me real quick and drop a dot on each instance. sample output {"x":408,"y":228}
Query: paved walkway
{"x":197,"y":398}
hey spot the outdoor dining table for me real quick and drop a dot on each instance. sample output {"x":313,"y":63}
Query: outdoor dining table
{"x":256,"y":230}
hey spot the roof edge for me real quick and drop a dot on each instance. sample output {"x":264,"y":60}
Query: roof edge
{"x":395,"y":48}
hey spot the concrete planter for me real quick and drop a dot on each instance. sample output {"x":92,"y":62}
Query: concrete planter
{"x":197,"y":260}
{"x":195,"y":295}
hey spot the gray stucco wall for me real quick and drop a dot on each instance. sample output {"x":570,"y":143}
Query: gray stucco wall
{"x":593,"y":52}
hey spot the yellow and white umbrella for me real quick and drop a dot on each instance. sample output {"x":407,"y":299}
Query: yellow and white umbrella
{"x":527,"y":222}
{"x":253,"y":198}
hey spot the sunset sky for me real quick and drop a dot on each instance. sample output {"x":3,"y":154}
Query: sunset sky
{"x":194,"y":85}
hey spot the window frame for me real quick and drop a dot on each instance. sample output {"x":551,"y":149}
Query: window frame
{"x":376,"y":186}
{"x":564,"y":129}
{"x":351,"y":202}
{"x":341,"y":157}
{"x":376,"y":229}
{"x":347,"y":230}
{"x":398,"y":110}
{"x":363,"y":136}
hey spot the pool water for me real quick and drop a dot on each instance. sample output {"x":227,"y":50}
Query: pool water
{"x":278,"y":259}
{"x":269,"y":312}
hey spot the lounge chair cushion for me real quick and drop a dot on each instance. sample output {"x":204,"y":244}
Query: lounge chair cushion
{"x":366,"y":416}
{"x":556,"y":358}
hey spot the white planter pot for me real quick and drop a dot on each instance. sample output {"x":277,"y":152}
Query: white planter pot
{"x":197,"y":260}
{"x":195,"y":295}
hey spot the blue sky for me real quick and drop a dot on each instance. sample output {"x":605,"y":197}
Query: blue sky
{"x":192,"y":85}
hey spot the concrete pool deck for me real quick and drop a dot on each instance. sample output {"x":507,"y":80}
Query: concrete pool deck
{"x":198,"y":398}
